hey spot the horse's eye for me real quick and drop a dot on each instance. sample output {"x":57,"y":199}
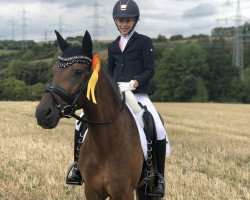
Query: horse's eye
{"x":78,"y":72}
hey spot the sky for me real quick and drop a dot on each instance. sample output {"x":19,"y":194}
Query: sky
{"x":165,"y":17}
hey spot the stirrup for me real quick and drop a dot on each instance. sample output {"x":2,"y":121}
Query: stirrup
{"x":148,"y":190}
{"x":78,"y":179}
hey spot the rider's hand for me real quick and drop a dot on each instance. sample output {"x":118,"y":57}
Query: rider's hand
{"x":124,"y":86}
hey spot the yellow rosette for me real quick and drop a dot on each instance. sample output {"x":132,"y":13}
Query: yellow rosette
{"x":96,"y":66}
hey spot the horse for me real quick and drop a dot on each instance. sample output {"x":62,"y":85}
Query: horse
{"x":111,"y":158}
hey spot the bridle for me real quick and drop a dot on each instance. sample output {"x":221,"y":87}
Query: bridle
{"x":69,"y":110}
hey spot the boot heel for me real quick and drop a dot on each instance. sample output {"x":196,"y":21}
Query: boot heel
{"x":158,"y":189}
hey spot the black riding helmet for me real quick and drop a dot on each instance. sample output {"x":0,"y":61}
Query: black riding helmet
{"x":126,"y":8}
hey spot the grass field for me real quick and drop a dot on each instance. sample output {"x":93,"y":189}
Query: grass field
{"x":6,"y":51}
{"x":210,"y":153}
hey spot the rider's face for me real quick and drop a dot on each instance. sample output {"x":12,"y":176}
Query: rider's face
{"x":125,"y":25}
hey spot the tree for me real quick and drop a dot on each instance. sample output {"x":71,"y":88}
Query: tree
{"x":201,"y":94}
{"x":246,"y":86}
{"x":178,"y":73}
{"x":176,"y":37}
{"x":161,"y":38}
{"x":30,"y":73}
{"x":223,"y":78}
{"x":12,"y":89}
{"x":36,"y":91}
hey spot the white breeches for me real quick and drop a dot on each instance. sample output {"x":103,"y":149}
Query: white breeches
{"x":160,"y":130}
{"x":144,"y":100}
{"x":132,"y":100}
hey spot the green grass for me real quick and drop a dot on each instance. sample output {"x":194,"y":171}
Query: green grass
{"x":6,"y":51}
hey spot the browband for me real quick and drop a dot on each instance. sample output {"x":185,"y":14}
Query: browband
{"x":65,"y":62}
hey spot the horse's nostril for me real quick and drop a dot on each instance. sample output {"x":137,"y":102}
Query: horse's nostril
{"x":49,"y":112}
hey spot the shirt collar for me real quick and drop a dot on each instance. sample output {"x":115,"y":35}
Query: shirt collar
{"x":127,"y":37}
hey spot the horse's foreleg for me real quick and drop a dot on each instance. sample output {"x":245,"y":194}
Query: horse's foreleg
{"x":123,"y":195}
{"x":92,"y":195}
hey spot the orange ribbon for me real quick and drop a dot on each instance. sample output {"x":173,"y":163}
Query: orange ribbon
{"x":96,"y":66}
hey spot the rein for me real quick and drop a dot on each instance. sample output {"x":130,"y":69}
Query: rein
{"x":84,"y":119}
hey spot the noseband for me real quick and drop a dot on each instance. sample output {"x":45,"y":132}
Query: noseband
{"x":68,"y":111}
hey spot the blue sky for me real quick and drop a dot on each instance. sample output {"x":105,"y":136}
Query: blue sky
{"x":165,"y":17}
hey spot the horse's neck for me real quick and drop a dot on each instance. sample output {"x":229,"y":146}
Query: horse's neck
{"x":108,"y":101}
{"x":122,"y":133}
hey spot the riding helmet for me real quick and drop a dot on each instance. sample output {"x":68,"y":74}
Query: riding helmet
{"x":126,"y":8}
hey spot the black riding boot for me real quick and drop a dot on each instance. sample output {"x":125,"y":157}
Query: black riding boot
{"x":75,"y":177}
{"x":160,"y":154}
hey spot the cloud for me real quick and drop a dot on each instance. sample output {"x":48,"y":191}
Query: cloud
{"x":167,"y":17}
{"x":66,"y":3}
{"x":227,"y":3}
{"x":78,"y":3}
{"x":201,"y":10}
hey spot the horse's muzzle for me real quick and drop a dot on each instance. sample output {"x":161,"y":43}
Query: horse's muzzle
{"x":47,"y":116}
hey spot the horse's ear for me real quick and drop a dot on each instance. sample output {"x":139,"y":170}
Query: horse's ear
{"x":87,"y":44}
{"x":63,"y":44}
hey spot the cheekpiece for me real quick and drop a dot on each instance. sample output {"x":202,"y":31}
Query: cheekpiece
{"x":65,"y":62}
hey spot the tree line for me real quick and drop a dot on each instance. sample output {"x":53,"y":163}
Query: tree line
{"x":195,"y":69}
{"x":201,"y":71}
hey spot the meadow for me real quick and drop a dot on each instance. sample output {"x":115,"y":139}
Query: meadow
{"x":6,"y":51}
{"x":210,"y":153}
